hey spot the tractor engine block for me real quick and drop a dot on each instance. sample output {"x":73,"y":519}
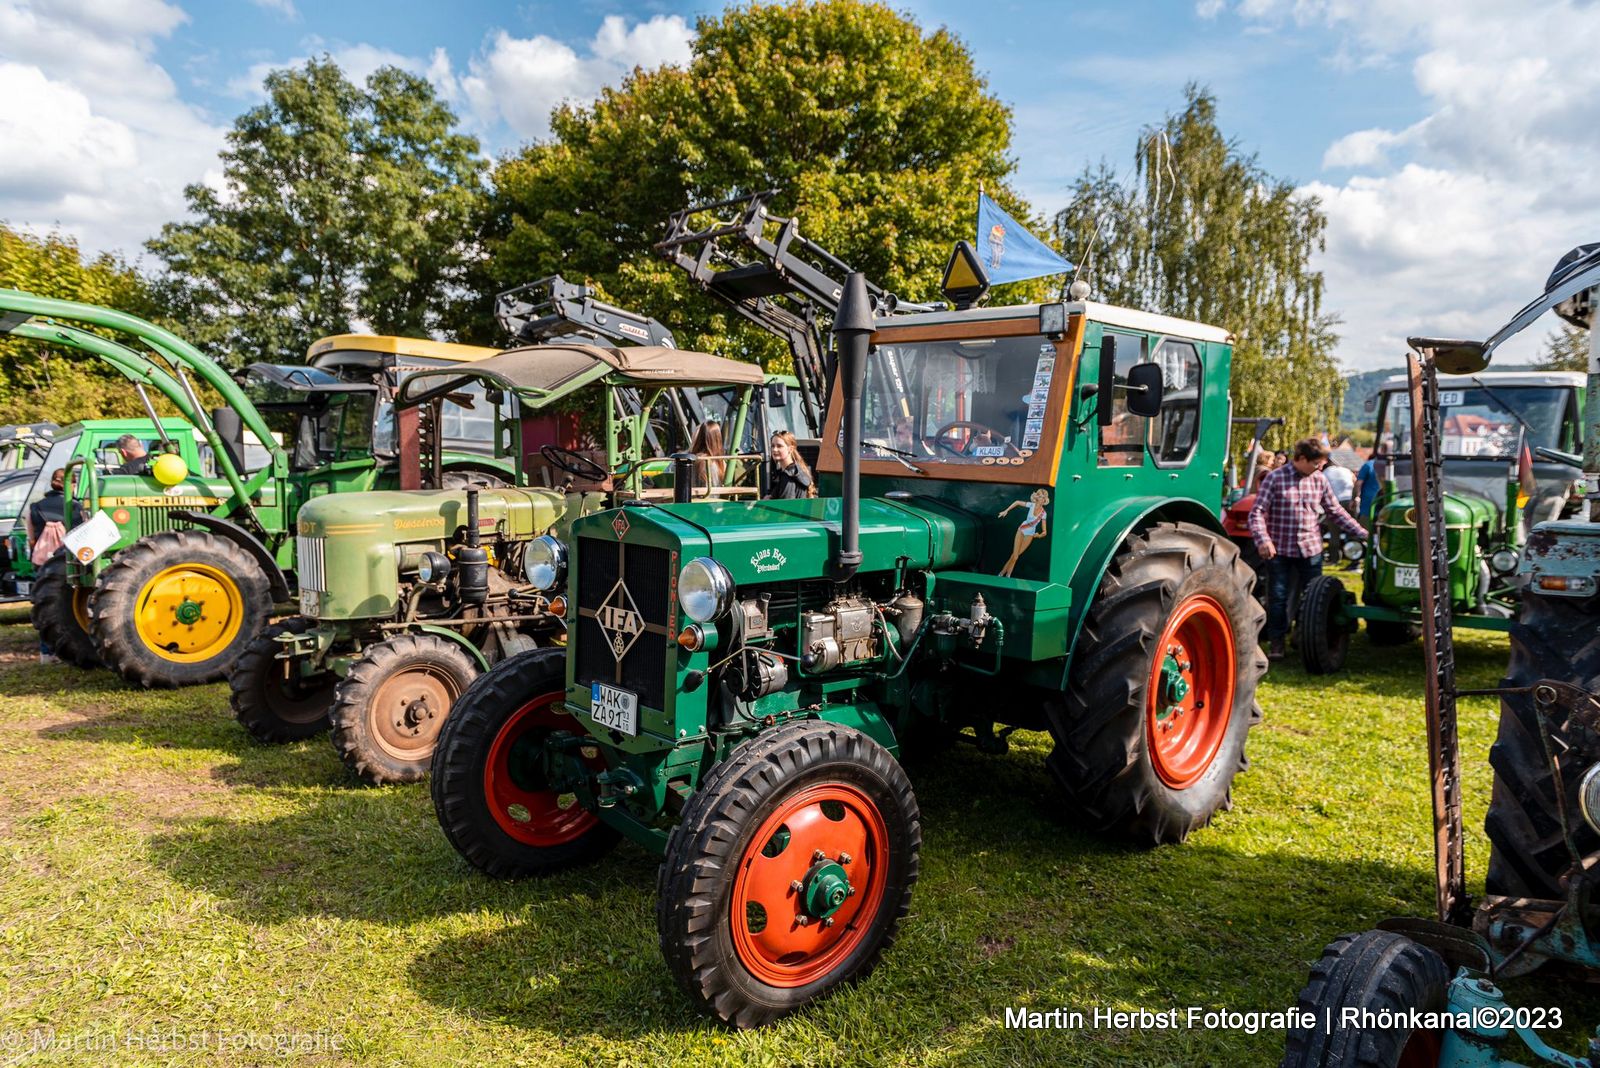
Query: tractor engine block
{"x":841,"y":633}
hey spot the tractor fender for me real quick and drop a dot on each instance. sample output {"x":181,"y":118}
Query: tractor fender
{"x":226,"y":528}
{"x":453,"y":635}
{"x":1131,"y":515}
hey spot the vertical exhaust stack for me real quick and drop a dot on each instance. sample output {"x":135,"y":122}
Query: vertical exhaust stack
{"x":852,"y":332}
{"x":472,"y":560}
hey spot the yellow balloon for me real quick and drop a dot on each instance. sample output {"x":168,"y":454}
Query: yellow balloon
{"x":169,"y":469}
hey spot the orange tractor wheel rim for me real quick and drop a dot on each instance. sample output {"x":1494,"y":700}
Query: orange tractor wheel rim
{"x":1189,"y":697}
{"x":525,"y":806}
{"x":808,"y":885}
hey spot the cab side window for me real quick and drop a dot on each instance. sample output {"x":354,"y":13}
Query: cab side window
{"x":1122,"y":443}
{"x":1176,"y":430}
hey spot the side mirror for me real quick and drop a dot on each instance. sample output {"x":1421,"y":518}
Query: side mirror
{"x":777,"y":394}
{"x":1108,"y":379}
{"x":1144,"y":389}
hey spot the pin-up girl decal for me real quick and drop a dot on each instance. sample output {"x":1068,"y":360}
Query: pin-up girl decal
{"x":1032,"y":528}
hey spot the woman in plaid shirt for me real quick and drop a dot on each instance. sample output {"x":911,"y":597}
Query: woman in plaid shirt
{"x":1286,"y":524}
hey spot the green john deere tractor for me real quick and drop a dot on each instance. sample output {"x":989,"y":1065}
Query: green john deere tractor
{"x":1016,"y":500}
{"x":1507,"y":439}
{"x":178,"y":571}
{"x":1420,"y":992}
{"x":406,"y":596}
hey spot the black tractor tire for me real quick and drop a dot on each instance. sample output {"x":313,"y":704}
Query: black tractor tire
{"x":718,"y":860}
{"x":1323,"y":642}
{"x":388,"y":710}
{"x":1376,"y":971}
{"x":143,"y":640}
{"x":271,"y":707}
{"x":1552,"y":639}
{"x":59,"y":612}
{"x":1103,"y":725}
{"x":506,"y":821}
{"x":1388,"y":633}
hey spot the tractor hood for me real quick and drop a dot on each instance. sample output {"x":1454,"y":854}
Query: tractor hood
{"x":424,"y":515}
{"x":1460,"y":510}
{"x":781,"y":540}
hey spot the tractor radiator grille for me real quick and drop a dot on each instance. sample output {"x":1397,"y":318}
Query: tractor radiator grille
{"x":156,"y":520}
{"x":646,"y":574}
{"x":308,"y":564}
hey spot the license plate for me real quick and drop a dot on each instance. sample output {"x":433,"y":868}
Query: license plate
{"x":614,"y":708}
{"x":1408,"y":578}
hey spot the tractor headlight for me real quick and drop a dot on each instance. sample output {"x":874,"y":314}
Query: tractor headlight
{"x":544,"y":562}
{"x":1504,"y":561}
{"x":1589,"y":797}
{"x":1353,"y":550}
{"x":433,"y":567}
{"x":705,"y":589}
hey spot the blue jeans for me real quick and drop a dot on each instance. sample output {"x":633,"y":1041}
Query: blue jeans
{"x":1287,"y":576}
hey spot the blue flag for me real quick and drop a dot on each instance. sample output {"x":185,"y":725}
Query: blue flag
{"x":1009,"y":253}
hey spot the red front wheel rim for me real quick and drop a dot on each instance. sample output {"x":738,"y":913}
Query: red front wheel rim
{"x":522,"y":803}
{"x":1189,"y":700}
{"x":777,"y":933}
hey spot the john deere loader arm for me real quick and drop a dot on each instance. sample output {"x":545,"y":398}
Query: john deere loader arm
{"x":786,"y":285}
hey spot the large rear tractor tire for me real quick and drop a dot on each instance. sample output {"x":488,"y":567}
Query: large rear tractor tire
{"x":270,"y":703}
{"x":1162,"y":689}
{"x":1552,"y":639}
{"x":490,"y":789}
{"x":1376,"y":971}
{"x":790,"y":872}
{"x":178,"y":608}
{"x":387,"y":712}
{"x":60,"y":614}
{"x":1324,"y":641}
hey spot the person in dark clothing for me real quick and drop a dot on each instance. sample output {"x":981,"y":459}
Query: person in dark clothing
{"x":791,"y":478}
{"x":135,"y":461}
{"x":52,"y":507}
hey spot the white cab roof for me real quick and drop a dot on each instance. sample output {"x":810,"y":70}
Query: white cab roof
{"x":1109,"y":314}
{"x":1495,"y":378}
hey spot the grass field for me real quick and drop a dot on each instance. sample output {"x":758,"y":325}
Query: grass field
{"x":169,"y":889}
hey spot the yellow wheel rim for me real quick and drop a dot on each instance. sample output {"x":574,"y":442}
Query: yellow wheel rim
{"x":80,"y":608}
{"x":189,"y":612}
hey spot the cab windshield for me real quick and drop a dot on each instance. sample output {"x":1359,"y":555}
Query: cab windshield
{"x":1484,"y":423}
{"x":972,"y":401}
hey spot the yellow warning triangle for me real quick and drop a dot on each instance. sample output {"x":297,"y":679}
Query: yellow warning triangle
{"x":965,"y":281}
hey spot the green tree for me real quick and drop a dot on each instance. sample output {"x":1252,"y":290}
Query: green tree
{"x":1203,"y":232}
{"x":339,"y":205}
{"x":876,"y":134}
{"x":1565,"y":350}
{"x":39,"y":382}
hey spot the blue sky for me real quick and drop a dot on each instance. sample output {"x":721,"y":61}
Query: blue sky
{"x":1450,"y":156}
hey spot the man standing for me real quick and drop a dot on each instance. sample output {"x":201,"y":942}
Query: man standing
{"x":134,"y":459}
{"x":1286,"y":525}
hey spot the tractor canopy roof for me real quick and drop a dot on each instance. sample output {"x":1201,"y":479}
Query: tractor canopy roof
{"x":1110,"y":314}
{"x":539,"y":374}
{"x":370,"y":350}
{"x":1494,"y":379}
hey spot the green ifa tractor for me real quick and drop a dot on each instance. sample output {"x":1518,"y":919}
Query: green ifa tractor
{"x":1428,"y":992}
{"x":172,"y":573}
{"x":1016,"y":500}
{"x":1508,"y":440}
{"x":405,"y":597}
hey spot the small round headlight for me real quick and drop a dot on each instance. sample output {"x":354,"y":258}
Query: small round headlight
{"x":705,"y":589}
{"x":433,"y":567}
{"x":1504,"y":561}
{"x":544,"y":562}
{"x":1353,"y":550}
{"x":1589,"y":797}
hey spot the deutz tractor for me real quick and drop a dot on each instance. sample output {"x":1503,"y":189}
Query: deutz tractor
{"x":1426,"y":992}
{"x":1508,"y":439}
{"x":1008,"y":507}
{"x":406,"y":596}
{"x":180,"y":571}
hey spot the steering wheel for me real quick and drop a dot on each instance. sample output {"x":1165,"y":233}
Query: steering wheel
{"x":972,"y":429}
{"x":573,"y":463}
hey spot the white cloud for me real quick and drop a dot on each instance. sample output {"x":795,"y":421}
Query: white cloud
{"x":95,"y":137}
{"x":1209,"y":9}
{"x":284,"y":8}
{"x":1452,"y":222}
{"x":520,"y":80}
{"x":357,"y":61}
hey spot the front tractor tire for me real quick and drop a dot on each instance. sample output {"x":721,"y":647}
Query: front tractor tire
{"x":60,"y":614}
{"x":789,"y":873}
{"x":178,"y":608}
{"x":388,"y":710}
{"x":1323,"y":637}
{"x":1560,"y":640}
{"x":491,"y":792}
{"x":1162,"y":688}
{"x":273,"y":705}
{"x":1376,"y":971}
